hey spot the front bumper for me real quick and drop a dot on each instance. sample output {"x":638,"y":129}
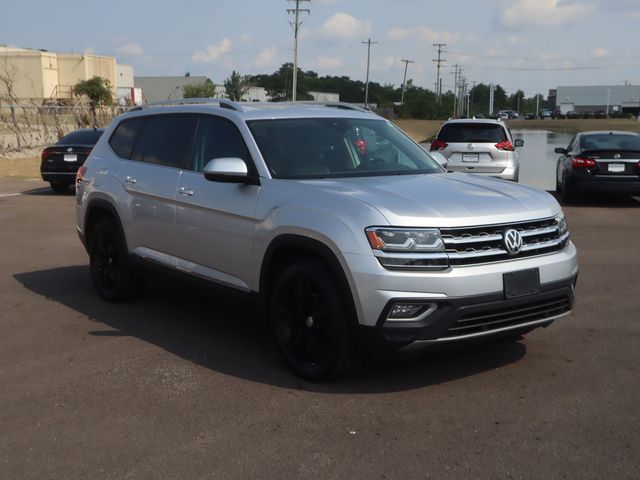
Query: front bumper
{"x":457,"y":292}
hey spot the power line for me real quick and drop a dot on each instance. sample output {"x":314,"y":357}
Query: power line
{"x":439,"y":61}
{"x":404,"y":82}
{"x":366,"y":88}
{"x":296,"y":26}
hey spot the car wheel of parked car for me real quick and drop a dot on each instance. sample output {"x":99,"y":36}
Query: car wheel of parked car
{"x":113,"y":275}
{"x":60,"y":187}
{"x":565,"y":193}
{"x":309,"y":320}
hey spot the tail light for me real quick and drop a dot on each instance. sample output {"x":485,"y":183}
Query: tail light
{"x":438,"y":145}
{"x":47,"y":153}
{"x":80,"y":174}
{"x":507,"y":146}
{"x":583,"y":162}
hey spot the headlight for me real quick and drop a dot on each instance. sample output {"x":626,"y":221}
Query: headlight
{"x":408,"y":248}
{"x":562,"y":225}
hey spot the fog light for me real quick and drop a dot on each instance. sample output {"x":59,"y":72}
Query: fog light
{"x":405,"y":311}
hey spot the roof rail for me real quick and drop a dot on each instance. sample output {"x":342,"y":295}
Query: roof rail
{"x":222,"y":102}
{"x":339,"y":105}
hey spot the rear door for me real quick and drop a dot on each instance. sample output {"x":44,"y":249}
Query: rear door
{"x":150,"y":179}
{"x":471,"y":147}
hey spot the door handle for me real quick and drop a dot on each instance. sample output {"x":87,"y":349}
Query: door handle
{"x":130,"y":179}
{"x":187,"y":192}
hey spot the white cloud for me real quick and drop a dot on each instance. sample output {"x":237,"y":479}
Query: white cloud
{"x":267,"y":57}
{"x":600,"y":52}
{"x":344,"y":26}
{"x":212,"y":52}
{"x":425,"y":33}
{"x":543,"y":13}
{"x":130,"y":49}
{"x":327,"y":62}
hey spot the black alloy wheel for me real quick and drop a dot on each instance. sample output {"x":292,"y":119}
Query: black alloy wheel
{"x":113,"y":276}
{"x":309,"y":320}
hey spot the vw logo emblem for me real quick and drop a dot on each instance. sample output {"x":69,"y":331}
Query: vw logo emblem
{"x":470,"y":146}
{"x":617,"y":156}
{"x":512,"y":241}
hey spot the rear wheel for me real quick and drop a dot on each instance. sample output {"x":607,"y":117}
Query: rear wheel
{"x":114,"y":278}
{"x":564,"y":191}
{"x":60,"y":187}
{"x":309,"y":319}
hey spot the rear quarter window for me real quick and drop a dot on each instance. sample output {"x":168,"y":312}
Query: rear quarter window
{"x":472,"y":132}
{"x":125,"y":137}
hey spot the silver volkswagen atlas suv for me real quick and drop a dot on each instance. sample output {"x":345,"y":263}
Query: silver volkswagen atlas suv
{"x":348,"y":233}
{"x":479,"y":146}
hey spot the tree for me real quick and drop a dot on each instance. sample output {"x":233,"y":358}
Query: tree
{"x":98,"y":90}
{"x":199,"y":90}
{"x":236,"y":86}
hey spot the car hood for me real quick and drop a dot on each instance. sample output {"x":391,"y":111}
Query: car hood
{"x":442,"y":200}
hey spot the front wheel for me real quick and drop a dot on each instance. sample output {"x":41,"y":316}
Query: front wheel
{"x":310,"y":321}
{"x":113,"y":275}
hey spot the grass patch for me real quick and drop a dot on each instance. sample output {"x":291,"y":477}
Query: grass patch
{"x":20,"y":167}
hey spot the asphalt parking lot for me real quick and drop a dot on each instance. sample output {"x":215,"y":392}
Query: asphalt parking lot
{"x":183,"y":384}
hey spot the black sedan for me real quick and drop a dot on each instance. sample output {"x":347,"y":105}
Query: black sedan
{"x":599,"y":162}
{"x":61,"y":161}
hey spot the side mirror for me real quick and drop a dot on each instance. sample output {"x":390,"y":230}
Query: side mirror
{"x":518,"y":143}
{"x":438,"y":157}
{"x":560,"y":150}
{"x":229,"y":170}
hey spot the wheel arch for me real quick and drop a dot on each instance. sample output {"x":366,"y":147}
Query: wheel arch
{"x":96,"y":210}
{"x":286,"y":249}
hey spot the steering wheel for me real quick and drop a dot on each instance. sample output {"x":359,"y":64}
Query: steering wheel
{"x":371,"y":162}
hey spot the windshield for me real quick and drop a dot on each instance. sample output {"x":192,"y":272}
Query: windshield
{"x":338,"y":147}
{"x":608,"y":141}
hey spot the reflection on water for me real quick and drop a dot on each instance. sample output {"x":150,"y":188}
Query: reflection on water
{"x":537,"y":158}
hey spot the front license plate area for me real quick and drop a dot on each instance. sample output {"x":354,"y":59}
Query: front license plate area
{"x":70,"y":158}
{"x":470,"y":157}
{"x":616,"y":167}
{"x":521,"y":283}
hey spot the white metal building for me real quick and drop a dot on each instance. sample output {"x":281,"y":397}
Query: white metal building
{"x":612,"y":98}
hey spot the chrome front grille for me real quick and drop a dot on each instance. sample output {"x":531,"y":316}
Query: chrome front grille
{"x":504,"y":317}
{"x":473,"y":245}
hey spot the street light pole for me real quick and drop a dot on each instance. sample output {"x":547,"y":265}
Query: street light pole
{"x":608,"y":98}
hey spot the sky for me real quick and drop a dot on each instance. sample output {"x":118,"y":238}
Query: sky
{"x":533,"y":45}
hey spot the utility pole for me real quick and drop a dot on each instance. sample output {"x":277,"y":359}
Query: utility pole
{"x":404,"y":82}
{"x":366,"y":88}
{"x":439,"y":61}
{"x":296,"y":26}
{"x":457,"y":74}
{"x":491,"y":94}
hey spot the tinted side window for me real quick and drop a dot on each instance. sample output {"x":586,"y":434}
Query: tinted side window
{"x":166,"y":140}
{"x":218,"y":138}
{"x":124,"y":138}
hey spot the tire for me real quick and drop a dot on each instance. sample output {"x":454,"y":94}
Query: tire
{"x":114,"y":278}
{"x":565,"y":193}
{"x":60,"y":187}
{"x":310,"y":322}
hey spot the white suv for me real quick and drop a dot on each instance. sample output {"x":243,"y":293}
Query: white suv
{"x":479,"y":146}
{"x":344,"y":228}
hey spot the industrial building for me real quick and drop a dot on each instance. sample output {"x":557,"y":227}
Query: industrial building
{"x":622,"y":99}
{"x":39,"y":75}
